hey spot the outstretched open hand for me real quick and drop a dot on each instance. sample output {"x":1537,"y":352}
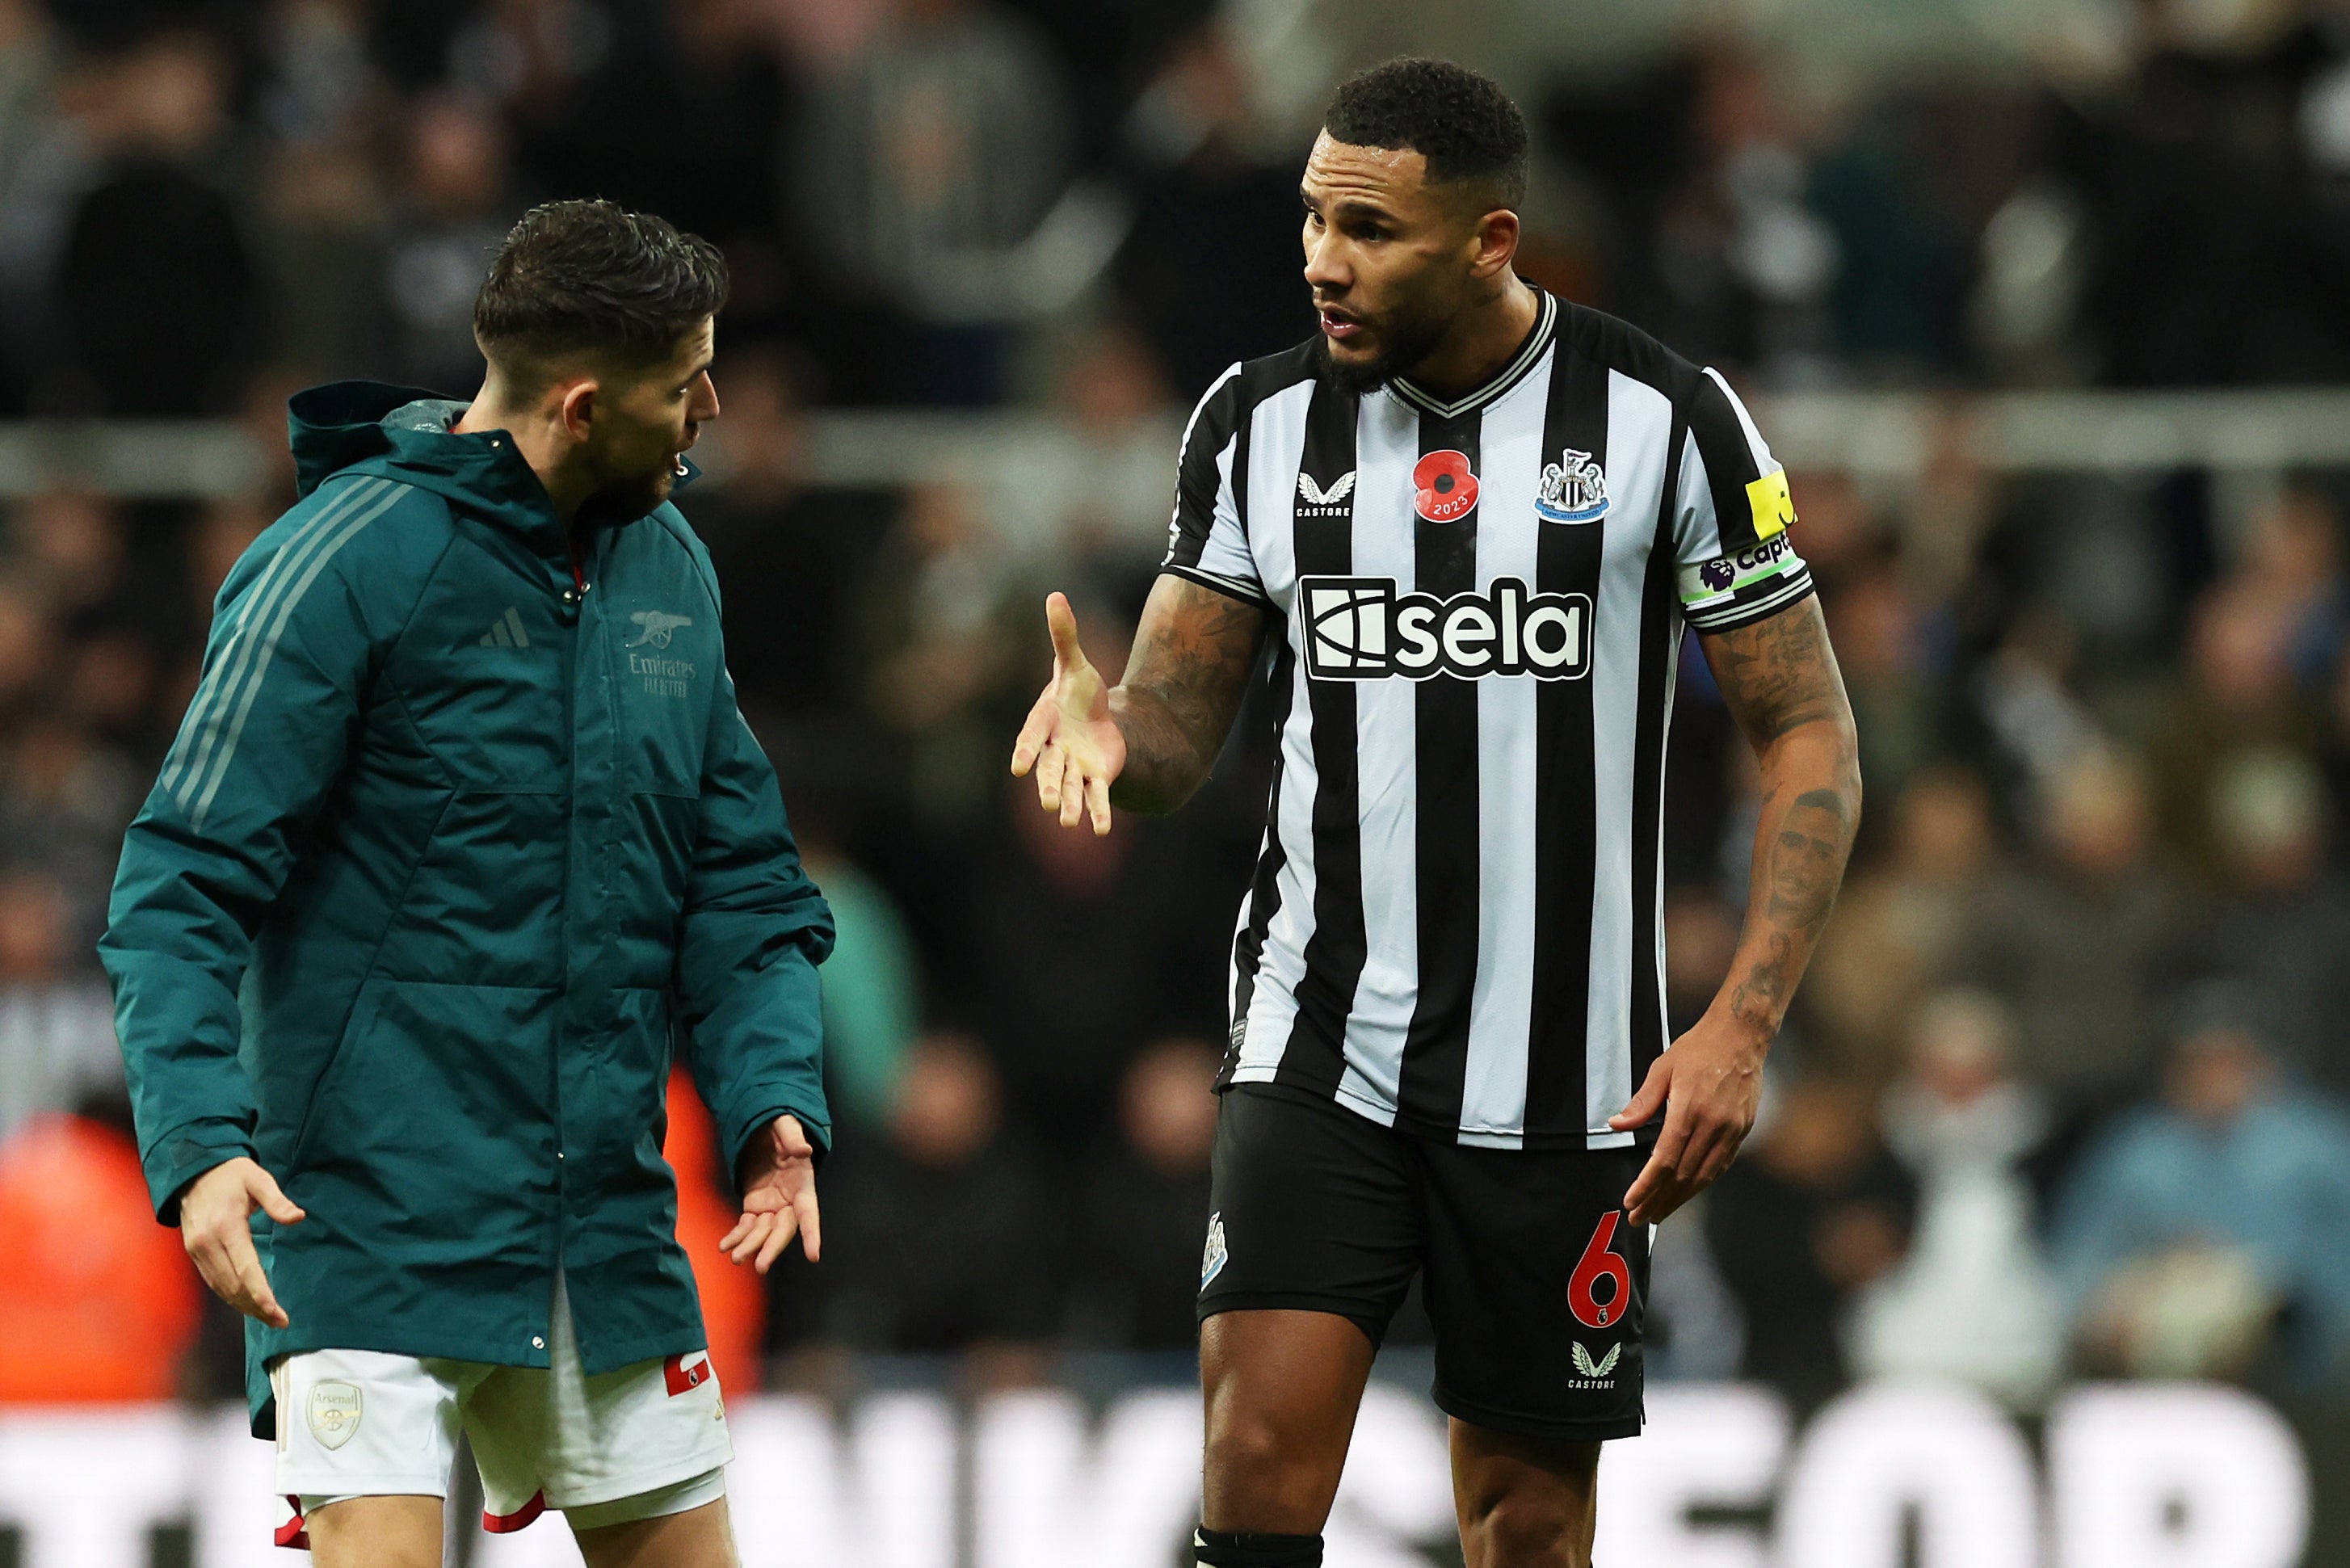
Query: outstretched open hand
{"x":1071,"y":743}
{"x":778,"y":1172}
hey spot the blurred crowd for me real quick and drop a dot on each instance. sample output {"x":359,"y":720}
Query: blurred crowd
{"x":2067,"y":1091}
{"x":202,"y":200}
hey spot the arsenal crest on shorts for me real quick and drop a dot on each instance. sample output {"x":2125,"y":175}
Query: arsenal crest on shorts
{"x":335,"y":1410}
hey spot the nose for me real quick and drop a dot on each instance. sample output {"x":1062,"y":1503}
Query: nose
{"x":705,"y":401}
{"x":1325,"y":271}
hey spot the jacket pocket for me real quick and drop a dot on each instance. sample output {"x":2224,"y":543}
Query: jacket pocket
{"x":615,"y":1093}
{"x":307,"y":1120}
{"x":439,"y":1103}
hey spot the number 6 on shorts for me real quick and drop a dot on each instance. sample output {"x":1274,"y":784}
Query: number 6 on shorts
{"x":1596,"y":1264}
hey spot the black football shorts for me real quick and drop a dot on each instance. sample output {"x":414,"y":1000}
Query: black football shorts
{"x":1532,"y":1276}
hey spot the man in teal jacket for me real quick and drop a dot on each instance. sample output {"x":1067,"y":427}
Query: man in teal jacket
{"x":463,"y":835}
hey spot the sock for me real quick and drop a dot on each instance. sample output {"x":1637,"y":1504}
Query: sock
{"x":1222,"y":1549}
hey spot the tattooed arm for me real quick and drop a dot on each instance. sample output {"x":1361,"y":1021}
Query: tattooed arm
{"x":1148,"y":743}
{"x":1779,"y":677}
{"x":1190,"y":667}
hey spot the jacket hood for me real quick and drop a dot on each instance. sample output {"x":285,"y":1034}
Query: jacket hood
{"x":334,"y":427}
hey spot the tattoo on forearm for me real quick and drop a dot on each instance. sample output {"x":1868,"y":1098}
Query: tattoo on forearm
{"x":1761,"y":993}
{"x":1184,"y":685}
{"x":1779,"y":674}
{"x":1807,"y":861}
{"x":1779,"y":679}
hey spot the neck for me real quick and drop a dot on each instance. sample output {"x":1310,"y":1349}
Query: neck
{"x":537,"y":434}
{"x":1482,"y":340}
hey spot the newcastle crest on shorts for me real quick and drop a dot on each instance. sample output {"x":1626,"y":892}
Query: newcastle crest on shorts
{"x":1212,"y":1261}
{"x":1572,"y":488}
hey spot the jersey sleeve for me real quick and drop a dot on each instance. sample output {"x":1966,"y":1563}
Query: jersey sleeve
{"x":1734,"y":560}
{"x":1206,"y":541}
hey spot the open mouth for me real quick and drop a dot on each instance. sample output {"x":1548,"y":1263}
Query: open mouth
{"x":1339,"y":327}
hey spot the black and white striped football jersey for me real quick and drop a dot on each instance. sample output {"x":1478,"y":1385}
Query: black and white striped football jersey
{"x":1455,"y":925}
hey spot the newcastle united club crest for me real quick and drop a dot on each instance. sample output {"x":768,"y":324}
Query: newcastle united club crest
{"x":1573,"y":490}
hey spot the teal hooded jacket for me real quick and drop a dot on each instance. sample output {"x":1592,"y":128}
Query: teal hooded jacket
{"x":460,"y":837}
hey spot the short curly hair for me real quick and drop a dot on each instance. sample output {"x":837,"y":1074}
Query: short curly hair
{"x":1461,"y":122}
{"x":594,"y":278}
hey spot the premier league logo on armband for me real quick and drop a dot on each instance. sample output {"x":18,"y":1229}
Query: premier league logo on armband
{"x":1574,"y":489}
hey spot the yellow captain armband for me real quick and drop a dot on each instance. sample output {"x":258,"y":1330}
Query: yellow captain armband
{"x":1772,"y":504}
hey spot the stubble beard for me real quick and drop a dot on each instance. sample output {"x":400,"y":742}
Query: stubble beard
{"x":1403,"y":344}
{"x":626,"y":500}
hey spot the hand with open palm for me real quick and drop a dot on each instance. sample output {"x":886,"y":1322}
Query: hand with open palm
{"x":1070,"y":740}
{"x":778,"y":1171}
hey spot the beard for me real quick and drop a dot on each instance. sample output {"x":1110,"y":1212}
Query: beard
{"x":628,"y":497}
{"x":1404,"y":341}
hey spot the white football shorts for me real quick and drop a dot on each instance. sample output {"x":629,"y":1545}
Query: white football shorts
{"x":636,"y":1443}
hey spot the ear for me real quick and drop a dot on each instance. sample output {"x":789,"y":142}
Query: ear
{"x":578,"y":409}
{"x":1496,"y":243}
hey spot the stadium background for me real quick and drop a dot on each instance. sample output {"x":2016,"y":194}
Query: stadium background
{"x":2042,"y":1251}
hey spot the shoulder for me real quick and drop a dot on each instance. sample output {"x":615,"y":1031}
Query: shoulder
{"x":1246,"y":383}
{"x":2298,"y":1124}
{"x":1619,"y":346}
{"x":365,"y":527}
{"x":1260,"y":378}
{"x":672,"y":532}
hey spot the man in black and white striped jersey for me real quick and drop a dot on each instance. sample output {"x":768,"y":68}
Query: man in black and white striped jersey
{"x":1472,"y":520}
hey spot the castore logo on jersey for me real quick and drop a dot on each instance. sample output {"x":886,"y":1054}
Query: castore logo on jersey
{"x":1315,"y":502}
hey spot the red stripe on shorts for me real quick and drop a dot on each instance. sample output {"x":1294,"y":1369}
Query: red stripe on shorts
{"x":507,"y":1523}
